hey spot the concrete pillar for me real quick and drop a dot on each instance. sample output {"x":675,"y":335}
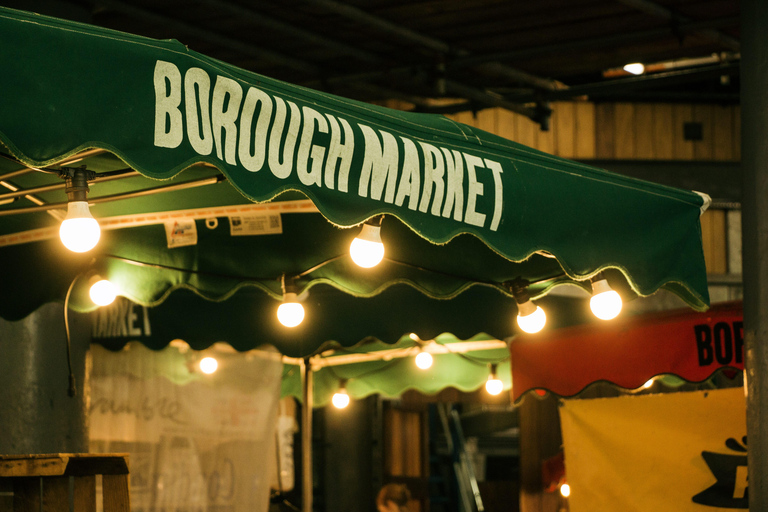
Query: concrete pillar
{"x":36,"y":413}
{"x":754,"y":154}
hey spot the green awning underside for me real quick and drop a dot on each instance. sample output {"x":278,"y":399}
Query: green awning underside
{"x":463,"y":209}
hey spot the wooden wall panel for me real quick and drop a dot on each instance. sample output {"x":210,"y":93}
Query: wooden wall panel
{"x":563,"y":126}
{"x":663,"y":129}
{"x":604,"y":131}
{"x":723,"y":133}
{"x":704,"y":149}
{"x":645,"y":147}
{"x":506,"y":124}
{"x":714,"y":241}
{"x":683,"y":149}
{"x":584,"y":131}
{"x":624,"y":128}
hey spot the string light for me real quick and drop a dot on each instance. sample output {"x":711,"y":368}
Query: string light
{"x":493,"y":385}
{"x":605,"y":302}
{"x":102,"y":291}
{"x":290,"y":313}
{"x":635,"y":68}
{"x":340,"y":399}
{"x":79,"y":231}
{"x":366,"y":249}
{"x":530,"y":317}
{"x":208,"y":365}
{"x":424,"y":360}
{"x":565,"y":490}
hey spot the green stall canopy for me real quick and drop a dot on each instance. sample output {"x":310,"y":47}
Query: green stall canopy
{"x":212,"y":178}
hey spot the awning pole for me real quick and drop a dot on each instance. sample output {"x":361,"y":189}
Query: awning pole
{"x":306,"y":435}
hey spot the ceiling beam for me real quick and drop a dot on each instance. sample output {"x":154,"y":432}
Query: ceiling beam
{"x":664,"y":13}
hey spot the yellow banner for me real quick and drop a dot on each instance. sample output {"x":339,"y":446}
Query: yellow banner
{"x":676,"y":452}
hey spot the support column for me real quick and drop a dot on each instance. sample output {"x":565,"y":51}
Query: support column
{"x":754,"y":157}
{"x":306,"y":435}
{"x":36,"y":413}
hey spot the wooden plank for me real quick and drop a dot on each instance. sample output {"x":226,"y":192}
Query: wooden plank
{"x":604,"y":132}
{"x":33,"y":465}
{"x":584,"y":130}
{"x":564,"y":126}
{"x":486,"y":120}
{"x":526,"y":130}
{"x":26,"y":494}
{"x":718,"y":263}
{"x":737,"y":132}
{"x":116,"y":495}
{"x":663,"y":131}
{"x":56,"y":494}
{"x":644,"y":148}
{"x":624,"y":128}
{"x":394,"y":444}
{"x":412,"y":433}
{"x":682,"y":149}
{"x":704,"y":149}
{"x":723,"y":133}
{"x":505,"y":122}
{"x":545,"y":140}
{"x":85,"y":494}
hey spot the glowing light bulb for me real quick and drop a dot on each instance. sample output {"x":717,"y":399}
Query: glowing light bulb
{"x":79,"y":232}
{"x":208,"y":365}
{"x":340,"y":399}
{"x":530,"y":317}
{"x":648,"y":383}
{"x":605,"y":303}
{"x":290,"y":313}
{"x":565,"y":490}
{"x":366,"y":249}
{"x":493,"y":385}
{"x":635,"y":68}
{"x":424,"y":360}
{"x":103,"y":292}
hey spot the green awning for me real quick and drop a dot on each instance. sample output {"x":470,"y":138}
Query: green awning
{"x":462,"y":207}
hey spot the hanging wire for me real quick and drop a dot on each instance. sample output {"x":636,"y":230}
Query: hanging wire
{"x":72,"y":390}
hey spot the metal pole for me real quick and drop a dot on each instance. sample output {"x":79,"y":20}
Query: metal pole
{"x":754,"y":122}
{"x":306,"y":435}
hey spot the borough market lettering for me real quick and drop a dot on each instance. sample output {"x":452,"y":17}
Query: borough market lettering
{"x":248,"y":128}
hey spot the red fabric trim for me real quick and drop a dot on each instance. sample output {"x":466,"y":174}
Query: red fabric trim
{"x":629,"y":351}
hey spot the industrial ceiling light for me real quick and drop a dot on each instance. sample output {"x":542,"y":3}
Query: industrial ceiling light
{"x":290,"y":313}
{"x":102,"y":291}
{"x":635,"y":68}
{"x":79,"y":232}
{"x":493,"y":385}
{"x":605,"y":302}
{"x":340,"y":399}
{"x":530,"y":317}
{"x":366,"y":249}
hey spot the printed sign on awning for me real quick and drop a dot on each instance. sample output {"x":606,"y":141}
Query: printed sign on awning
{"x":629,"y":351}
{"x":677,"y":452}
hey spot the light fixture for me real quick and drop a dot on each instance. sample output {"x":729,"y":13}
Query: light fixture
{"x":102,"y":291}
{"x":424,"y":360}
{"x":366,"y":249}
{"x":493,"y":385}
{"x":79,"y":231}
{"x":208,"y":365}
{"x":635,"y":68}
{"x":340,"y":398}
{"x":565,"y":490}
{"x":605,"y":302}
{"x":530,"y":317}
{"x":648,"y":383}
{"x":290,"y":313}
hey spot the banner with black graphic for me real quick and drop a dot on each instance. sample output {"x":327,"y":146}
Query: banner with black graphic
{"x":678,"y":452}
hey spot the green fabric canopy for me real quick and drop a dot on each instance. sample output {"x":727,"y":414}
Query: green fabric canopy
{"x":461,"y":207}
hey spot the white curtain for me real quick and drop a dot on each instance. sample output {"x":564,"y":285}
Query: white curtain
{"x":197,"y":442}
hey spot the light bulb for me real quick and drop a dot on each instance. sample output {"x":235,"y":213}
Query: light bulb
{"x":636,"y":68}
{"x":424,"y":360}
{"x":565,"y":490}
{"x":340,"y":399}
{"x":366,"y":249}
{"x":605,"y":302}
{"x":290,"y":313}
{"x":530,"y":317}
{"x":493,"y":385}
{"x":208,"y":365}
{"x":103,"y":293}
{"x":79,"y":232}
{"x":648,"y":383}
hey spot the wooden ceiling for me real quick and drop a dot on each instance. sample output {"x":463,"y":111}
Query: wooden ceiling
{"x":451,"y":55}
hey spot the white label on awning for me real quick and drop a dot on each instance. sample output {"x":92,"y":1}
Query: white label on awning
{"x":180,"y":233}
{"x":255,"y":224}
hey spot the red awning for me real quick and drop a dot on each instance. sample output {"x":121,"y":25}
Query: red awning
{"x":630,"y":351}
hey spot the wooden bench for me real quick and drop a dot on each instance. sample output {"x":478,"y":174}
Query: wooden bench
{"x":44,"y":480}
